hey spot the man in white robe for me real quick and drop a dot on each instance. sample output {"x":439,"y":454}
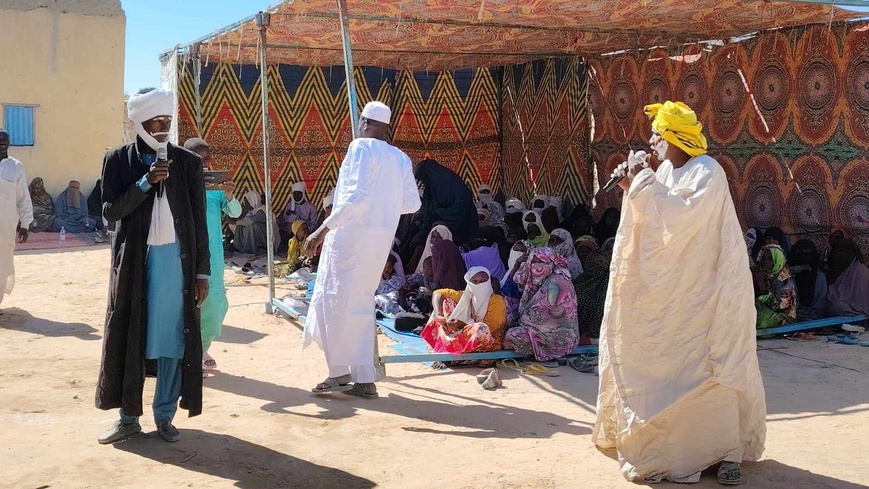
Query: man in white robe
{"x":680,"y":386}
{"x":16,"y":213}
{"x":375,"y":187}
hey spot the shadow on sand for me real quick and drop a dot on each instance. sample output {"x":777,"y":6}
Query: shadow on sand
{"x":15,"y":319}
{"x":482,"y":420}
{"x":248,"y":464}
{"x":239,"y":336}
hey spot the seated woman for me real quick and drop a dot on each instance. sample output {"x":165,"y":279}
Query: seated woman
{"x":778,"y":237}
{"x":778,"y":305}
{"x":549,"y":218}
{"x":561,"y":242}
{"x":537,"y":234}
{"x":805,"y":264}
{"x":547,"y":326}
{"x":486,"y":200}
{"x":591,"y":286}
{"x":509,"y":289}
{"x":71,"y":212}
{"x":447,"y":266}
{"x":608,"y":225}
{"x":438,"y":232}
{"x":392,"y":280}
{"x":835,"y":234}
{"x":43,"y":207}
{"x":751,"y":237}
{"x":848,"y":294}
{"x":485,"y":253}
{"x":467,"y":321}
{"x":539,"y":203}
{"x":497,"y":236}
{"x":250,"y":231}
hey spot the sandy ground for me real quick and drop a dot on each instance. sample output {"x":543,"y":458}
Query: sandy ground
{"x":261,"y":427}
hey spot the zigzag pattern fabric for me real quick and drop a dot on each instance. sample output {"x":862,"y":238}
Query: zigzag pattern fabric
{"x":786,"y":114}
{"x":545,"y":130}
{"x":450,"y":116}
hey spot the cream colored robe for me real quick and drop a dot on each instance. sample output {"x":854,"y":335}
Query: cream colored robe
{"x":680,"y":386}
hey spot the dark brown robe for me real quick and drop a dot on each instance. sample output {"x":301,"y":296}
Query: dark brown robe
{"x":122,"y":370}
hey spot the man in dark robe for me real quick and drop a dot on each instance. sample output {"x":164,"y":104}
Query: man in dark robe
{"x":160,"y":271}
{"x":446,"y":198}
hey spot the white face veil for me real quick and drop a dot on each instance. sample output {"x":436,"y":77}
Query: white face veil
{"x":474,"y":304}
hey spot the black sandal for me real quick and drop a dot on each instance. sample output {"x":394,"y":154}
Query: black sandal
{"x":729,"y":474}
{"x":359,"y":391}
{"x":333,"y":384}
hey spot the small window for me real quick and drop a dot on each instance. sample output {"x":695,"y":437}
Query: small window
{"x":18,"y":122}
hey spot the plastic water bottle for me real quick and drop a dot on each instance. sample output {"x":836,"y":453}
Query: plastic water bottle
{"x":62,"y":234}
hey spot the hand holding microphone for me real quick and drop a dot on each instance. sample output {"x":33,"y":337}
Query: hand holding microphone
{"x":159,"y":170}
{"x":636,"y":162}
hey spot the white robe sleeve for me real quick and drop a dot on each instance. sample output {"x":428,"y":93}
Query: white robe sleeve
{"x":411,"y":201}
{"x":356,"y":172}
{"x":25,"y":206}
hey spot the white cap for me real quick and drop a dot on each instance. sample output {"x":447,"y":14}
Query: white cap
{"x":377,"y":111}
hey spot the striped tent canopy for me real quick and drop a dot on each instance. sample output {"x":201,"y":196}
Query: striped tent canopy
{"x":442,"y":35}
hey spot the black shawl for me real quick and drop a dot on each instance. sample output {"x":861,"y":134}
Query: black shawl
{"x":446,"y":198}
{"x":122,"y":370}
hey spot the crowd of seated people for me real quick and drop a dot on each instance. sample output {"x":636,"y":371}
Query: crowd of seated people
{"x":548,"y":273}
{"x":71,"y":212}
{"x":496,"y":273}
{"x":799,"y":282}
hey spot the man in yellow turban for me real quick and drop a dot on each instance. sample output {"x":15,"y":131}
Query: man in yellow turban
{"x":680,"y":386}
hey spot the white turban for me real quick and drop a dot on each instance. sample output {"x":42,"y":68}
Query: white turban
{"x":515,"y":206}
{"x":298,"y":187}
{"x":377,"y":111}
{"x":144,"y":107}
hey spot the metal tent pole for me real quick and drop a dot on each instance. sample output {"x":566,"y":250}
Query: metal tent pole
{"x":262,"y":22}
{"x":348,"y":68}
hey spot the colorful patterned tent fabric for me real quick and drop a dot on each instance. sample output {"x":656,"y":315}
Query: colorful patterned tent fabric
{"x":465,"y":91}
{"x":438,"y":35}
{"x":453,"y":117}
{"x":786,"y":114}
{"x":545,"y":130}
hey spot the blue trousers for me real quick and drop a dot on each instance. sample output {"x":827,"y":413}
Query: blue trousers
{"x":167,"y":393}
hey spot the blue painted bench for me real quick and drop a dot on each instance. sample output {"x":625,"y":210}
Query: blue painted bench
{"x":388,"y":327}
{"x":424,"y":356}
{"x":809,"y":325}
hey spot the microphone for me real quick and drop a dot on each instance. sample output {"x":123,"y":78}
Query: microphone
{"x":614,"y":181}
{"x":162,"y":155}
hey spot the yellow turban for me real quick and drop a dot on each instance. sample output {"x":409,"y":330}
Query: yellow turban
{"x":297,"y":225}
{"x":678,"y":125}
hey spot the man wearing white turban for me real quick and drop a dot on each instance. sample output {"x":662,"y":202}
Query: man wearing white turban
{"x":160,"y":271}
{"x":299,"y":208}
{"x":375,"y":187}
